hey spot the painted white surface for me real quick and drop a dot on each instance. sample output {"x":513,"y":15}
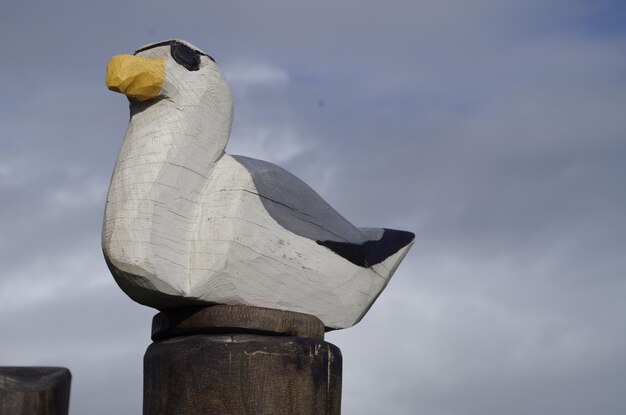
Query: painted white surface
{"x":184,"y":223}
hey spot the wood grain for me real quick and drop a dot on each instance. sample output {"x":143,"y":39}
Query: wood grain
{"x":34,"y":390}
{"x":226,"y":360}
{"x":235,"y":319}
{"x":242,"y":374}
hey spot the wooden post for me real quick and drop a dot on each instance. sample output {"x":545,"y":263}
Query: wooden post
{"x":34,"y":390}
{"x":240,"y":360}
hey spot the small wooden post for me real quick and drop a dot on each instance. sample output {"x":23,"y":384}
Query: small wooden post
{"x":34,"y":390}
{"x":240,"y":360}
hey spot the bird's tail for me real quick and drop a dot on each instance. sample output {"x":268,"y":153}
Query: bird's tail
{"x":372,"y":252}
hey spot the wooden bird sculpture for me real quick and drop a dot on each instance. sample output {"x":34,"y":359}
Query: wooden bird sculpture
{"x":187,"y":224}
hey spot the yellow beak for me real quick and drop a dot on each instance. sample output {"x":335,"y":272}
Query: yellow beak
{"x":136,"y":77}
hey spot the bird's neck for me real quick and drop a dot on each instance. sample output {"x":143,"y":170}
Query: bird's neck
{"x":166,"y":132}
{"x":172,"y":146}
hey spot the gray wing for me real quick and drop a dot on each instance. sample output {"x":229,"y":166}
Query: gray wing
{"x":298,"y":208}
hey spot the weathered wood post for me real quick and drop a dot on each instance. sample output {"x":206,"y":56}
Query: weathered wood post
{"x":240,"y":360}
{"x":187,"y":225}
{"x":34,"y":390}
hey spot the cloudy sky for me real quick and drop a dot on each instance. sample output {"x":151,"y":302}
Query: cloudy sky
{"x":494,"y":130}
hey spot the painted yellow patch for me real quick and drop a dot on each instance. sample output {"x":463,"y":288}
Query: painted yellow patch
{"x":138,"y":78}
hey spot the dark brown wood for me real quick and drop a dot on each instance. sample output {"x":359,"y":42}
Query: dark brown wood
{"x":235,"y":319}
{"x":241,"y":373}
{"x":34,"y":390}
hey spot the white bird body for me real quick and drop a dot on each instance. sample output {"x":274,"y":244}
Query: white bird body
{"x":187,"y":224}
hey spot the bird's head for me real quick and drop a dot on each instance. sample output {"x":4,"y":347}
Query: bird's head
{"x":172,"y":70}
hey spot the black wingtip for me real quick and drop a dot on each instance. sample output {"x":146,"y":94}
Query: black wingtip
{"x":371,"y":252}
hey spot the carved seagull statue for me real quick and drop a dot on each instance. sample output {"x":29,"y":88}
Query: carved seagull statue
{"x":187,"y":224}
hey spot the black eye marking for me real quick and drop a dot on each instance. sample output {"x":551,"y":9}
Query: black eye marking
{"x":181,"y":57}
{"x":185,"y":56}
